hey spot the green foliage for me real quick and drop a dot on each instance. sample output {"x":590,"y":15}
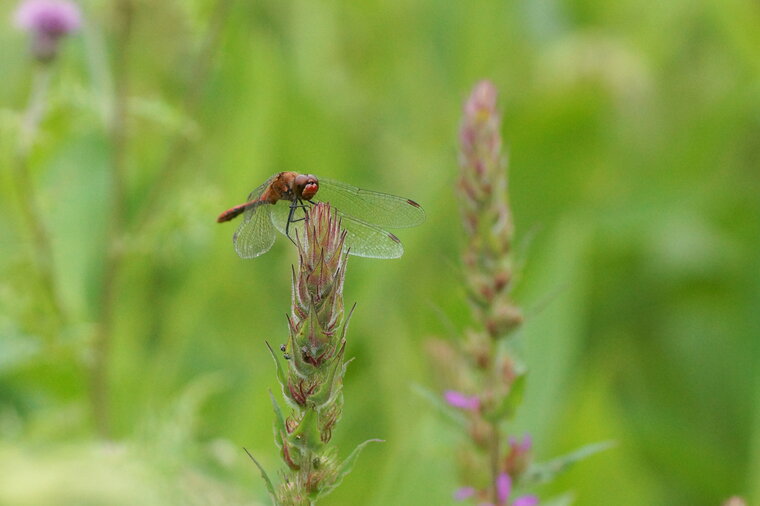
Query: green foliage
{"x":632,"y":135}
{"x":265,"y":477}
{"x":547,"y":471}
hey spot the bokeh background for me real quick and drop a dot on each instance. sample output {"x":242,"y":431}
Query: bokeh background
{"x":633,"y":132}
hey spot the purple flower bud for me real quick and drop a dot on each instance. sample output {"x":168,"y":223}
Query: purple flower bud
{"x":462,"y":401}
{"x":526,"y":500}
{"x":504,"y":490}
{"x":47,"y":21}
{"x":523,"y":446}
{"x":482,"y":99}
{"x":503,"y":487}
{"x":519,"y":455}
{"x":463,"y":493}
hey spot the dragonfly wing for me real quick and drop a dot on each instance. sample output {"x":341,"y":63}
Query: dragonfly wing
{"x":381,"y":209}
{"x":367,"y":240}
{"x":257,"y":192}
{"x":280,"y":212}
{"x":255,"y":235}
{"x":363,"y":239}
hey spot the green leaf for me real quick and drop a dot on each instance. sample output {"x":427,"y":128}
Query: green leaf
{"x":278,"y":366}
{"x":332,"y":384}
{"x":267,"y":481}
{"x":566,"y":499}
{"x":344,"y":329}
{"x":546,"y":471}
{"x":306,"y":436}
{"x":279,"y":428}
{"x":347,"y":466}
{"x":436,"y":400}
{"x":16,"y":349}
{"x":511,"y":401}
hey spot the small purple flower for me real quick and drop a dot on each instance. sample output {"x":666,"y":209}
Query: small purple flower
{"x":504,"y":489}
{"x":518,"y":457}
{"x":523,"y":446}
{"x":462,"y":401}
{"x":463,"y":493}
{"x":47,"y":21}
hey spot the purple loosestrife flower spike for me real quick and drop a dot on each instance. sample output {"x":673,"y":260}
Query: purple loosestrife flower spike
{"x":485,"y":213}
{"x":48,"y":21}
{"x":462,"y":401}
{"x":479,"y":363}
{"x":312,"y":382}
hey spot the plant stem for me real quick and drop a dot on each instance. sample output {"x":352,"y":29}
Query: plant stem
{"x":494,"y":455}
{"x":179,"y":149}
{"x":118,"y":133}
{"x":486,"y":259}
{"x":27,"y":195}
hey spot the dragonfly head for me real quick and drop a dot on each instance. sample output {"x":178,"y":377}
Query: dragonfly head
{"x":306,"y":185}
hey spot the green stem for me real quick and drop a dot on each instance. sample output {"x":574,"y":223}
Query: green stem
{"x":99,"y":391}
{"x":180,"y":147}
{"x":494,"y":459}
{"x":28,"y":199}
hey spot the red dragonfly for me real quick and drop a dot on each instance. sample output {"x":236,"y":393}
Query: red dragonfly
{"x":283,"y":200}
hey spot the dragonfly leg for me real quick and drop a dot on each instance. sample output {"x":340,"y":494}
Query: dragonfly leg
{"x":292,"y":211}
{"x":296,"y":204}
{"x":305,"y":212}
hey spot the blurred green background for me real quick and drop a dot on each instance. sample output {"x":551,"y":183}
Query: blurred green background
{"x":633,"y":132}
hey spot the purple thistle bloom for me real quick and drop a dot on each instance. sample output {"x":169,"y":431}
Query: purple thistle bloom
{"x":462,"y":401}
{"x":48,"y":21}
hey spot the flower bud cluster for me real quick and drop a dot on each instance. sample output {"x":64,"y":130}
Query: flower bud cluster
{"x":485,"y":383}
{"x":485,"y":213}
{"x":312,"y":381}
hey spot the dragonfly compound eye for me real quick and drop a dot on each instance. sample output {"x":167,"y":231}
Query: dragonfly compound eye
{"x":308,"y":185}
{"x":309,"y":190}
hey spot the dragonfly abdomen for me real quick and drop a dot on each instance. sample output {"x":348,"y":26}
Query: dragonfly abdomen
{"x":237,"y":210}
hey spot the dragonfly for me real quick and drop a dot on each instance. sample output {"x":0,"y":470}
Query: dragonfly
{"x":282,"y":202}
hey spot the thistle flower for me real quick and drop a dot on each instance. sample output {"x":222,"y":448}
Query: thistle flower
{"x":48,"y":21}
{"x":312,"y":381}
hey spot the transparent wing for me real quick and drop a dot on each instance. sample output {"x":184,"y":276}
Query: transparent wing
{"x":370,"y":241}
{"x":363,"y":239}
{"x":370,"y":207}
{"x":256,"y":193}
{"x":255,"y":235}
{"x":279,"y":213}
